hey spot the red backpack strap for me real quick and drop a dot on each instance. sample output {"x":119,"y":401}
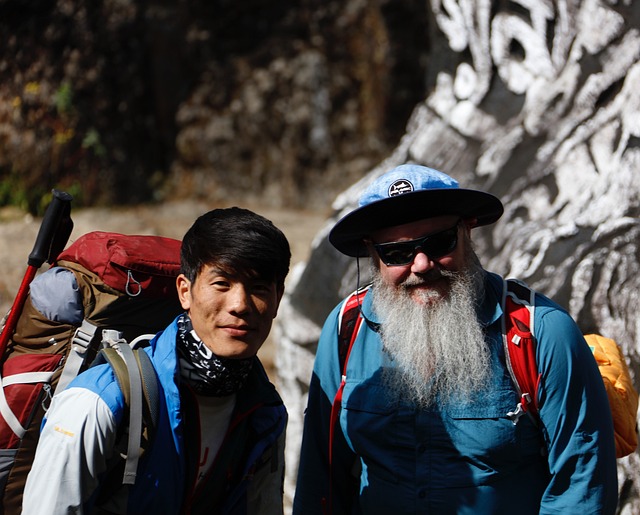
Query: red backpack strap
{"x":349,"y":323}
{"x":518,"y":305}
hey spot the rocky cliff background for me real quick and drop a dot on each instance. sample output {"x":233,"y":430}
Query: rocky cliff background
{"x":120,"y":102}
{"x":285,"y":104}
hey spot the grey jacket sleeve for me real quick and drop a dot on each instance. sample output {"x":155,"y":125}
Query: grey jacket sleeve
{"x":76,"y":441}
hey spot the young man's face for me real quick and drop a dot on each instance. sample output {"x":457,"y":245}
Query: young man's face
{"x":232,"y":315}
{"x":421,"y":275}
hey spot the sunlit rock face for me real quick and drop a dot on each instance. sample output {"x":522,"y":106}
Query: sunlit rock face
{"x":538,"y":103}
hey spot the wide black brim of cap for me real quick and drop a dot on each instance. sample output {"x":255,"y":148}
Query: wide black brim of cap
{"x":348,"y":233}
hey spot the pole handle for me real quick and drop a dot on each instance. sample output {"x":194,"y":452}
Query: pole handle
{"x":53,"y":235}
{"x":54,"y":229}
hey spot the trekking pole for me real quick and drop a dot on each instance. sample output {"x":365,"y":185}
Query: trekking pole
{"x":53,"y":235}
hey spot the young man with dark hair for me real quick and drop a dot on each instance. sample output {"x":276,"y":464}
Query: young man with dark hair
{"x":219,"y":442}
{"x":429,"y":419}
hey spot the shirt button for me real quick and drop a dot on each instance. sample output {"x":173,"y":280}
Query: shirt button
{"x":422,"y":494}
{"x":421,"y":448}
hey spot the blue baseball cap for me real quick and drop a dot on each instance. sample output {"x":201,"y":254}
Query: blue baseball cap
{"x":406,"y":194}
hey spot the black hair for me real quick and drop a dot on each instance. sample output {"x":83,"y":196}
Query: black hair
{"x":238,"y":241}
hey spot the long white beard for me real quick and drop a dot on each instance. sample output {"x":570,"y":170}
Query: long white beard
{"x":439,"y":346}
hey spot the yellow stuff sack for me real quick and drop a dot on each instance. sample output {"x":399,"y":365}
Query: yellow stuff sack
{"x":623,"y":398}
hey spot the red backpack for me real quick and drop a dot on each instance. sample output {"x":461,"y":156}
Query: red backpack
{"x":520,"y":353}
{"x":125,"y":285}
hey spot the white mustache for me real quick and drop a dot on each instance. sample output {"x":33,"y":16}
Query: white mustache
{"x":428,"y":278}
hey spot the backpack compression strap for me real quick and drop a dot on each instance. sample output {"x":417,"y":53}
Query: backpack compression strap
{"x":80,"y":343}
{"x":518,"y":306}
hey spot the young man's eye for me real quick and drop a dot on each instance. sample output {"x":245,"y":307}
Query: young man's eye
{"x":262,"y":288}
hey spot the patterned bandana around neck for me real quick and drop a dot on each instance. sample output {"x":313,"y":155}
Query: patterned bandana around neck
{"x":205,"y":372}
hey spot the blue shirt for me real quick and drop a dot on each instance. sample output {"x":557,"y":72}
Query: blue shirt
{"x":390,"y":457}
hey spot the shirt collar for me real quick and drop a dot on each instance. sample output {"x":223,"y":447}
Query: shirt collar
{"x":490,"y":311}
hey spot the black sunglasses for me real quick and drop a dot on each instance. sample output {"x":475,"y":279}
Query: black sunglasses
{"x":400,"y":253}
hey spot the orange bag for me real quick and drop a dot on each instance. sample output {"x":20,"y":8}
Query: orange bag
{"x":622,"y":396}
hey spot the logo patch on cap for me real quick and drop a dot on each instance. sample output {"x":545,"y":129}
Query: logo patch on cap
{"x":400,"y":187}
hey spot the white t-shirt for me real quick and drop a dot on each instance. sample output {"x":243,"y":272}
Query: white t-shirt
{"x":215,"y":415}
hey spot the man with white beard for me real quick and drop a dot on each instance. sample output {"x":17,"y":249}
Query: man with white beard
{"x":446,"y":337}
{"x":426,"y":421}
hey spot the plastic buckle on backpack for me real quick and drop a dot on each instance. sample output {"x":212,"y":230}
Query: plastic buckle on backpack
{"x":83,"y":335}
{"x":514,"y":416}
{"x":521,"y":409}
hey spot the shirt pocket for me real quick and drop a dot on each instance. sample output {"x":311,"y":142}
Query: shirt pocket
{"x":486,"y":439}
{"x":373,"y":425}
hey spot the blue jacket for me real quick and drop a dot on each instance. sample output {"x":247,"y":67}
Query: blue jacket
{"x":389,"y":457}
{"x":166,"y":472}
